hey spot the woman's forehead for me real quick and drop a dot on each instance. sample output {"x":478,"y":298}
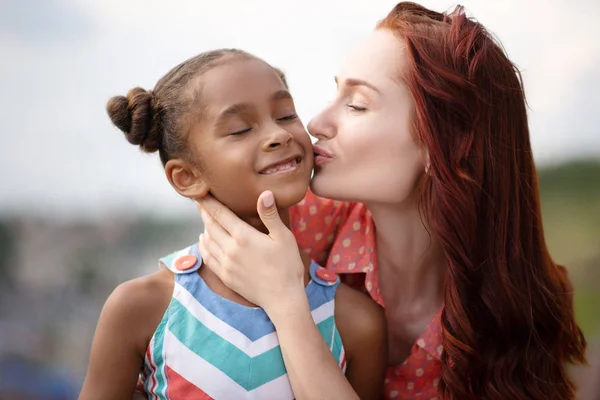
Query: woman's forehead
{"x":376,"y":59}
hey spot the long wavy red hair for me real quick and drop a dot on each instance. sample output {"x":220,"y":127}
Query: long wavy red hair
{"x":508,"y":323}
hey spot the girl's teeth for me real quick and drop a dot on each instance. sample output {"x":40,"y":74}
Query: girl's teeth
{"x":281,"y":167}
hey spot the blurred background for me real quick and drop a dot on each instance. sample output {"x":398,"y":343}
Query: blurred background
{"x":81,"y":210}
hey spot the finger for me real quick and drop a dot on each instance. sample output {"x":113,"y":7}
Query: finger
{"x":219,"y":235}
{"x":212,"y":247}
{"x":223,"y":216}
{"x":208,"y":260}
{"x":267,"y":210}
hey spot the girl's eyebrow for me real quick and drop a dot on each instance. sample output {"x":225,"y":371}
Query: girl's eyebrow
{"x":281,"y":95}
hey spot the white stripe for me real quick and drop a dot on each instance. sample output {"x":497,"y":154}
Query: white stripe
{"x":223,"y":329}
{"x":164,"y":364}
{"x":148,"y":383}
{"x":342,"y":355}
{"x":213,"y":381}
{"x":279,"y":388}
{"x":232,"y":335}
{"x":323,"y":312}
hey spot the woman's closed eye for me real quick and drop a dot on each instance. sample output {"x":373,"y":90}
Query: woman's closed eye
{"x":356,"y":108}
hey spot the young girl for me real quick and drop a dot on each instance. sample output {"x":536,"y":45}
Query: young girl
{"x":223,"y":123}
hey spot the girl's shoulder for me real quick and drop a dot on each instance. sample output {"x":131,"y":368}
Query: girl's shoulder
{"x":137,"y":306}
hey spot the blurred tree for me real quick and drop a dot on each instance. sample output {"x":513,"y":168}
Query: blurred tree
{"x":8,"y":243}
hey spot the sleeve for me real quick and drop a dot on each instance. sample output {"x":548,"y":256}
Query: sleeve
{"x":316,"y":222}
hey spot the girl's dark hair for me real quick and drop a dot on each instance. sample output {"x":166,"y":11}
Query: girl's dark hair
{"x":157,"y":119}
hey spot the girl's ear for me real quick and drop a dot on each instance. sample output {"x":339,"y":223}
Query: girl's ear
{"x":186,"y":179}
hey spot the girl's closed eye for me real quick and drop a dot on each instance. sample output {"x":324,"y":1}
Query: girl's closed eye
{"x":239,"y":133}
{"x":290,"y":117}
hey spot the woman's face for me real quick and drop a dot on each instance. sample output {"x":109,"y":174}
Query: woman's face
{"x":365,"y":150}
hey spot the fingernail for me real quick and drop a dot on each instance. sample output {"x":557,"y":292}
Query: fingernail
{"x":268,"y":199}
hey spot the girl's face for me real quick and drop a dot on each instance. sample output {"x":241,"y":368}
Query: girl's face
{"x":249,"y":138}
{"x":366,"y":151}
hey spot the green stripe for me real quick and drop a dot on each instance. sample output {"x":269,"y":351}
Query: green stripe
{"x":336,"y":349}
{"x":157,"y":355}
{"x":228,"y":358}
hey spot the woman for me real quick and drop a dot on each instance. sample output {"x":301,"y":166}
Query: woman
{"x":426,"y":150}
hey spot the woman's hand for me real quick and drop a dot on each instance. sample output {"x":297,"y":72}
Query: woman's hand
{"x":267,"y":270}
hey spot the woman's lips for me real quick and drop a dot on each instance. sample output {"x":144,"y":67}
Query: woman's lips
{"x":322,"y":156}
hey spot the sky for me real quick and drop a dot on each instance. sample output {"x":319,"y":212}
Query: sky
{"x":61,"y":60}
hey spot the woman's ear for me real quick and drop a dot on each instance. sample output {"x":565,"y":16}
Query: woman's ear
{"x":186,"y":179}
{"x":426,"y":160}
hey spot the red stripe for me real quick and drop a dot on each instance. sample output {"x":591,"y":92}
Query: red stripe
{"x":343,"y":363}
{"x":180,"y":388}
{"x":152,"y":368}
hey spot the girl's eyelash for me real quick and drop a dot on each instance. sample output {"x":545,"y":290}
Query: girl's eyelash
{"x":241,"y":132}
{"x":356,"y":108}
{"x":288,"y":117}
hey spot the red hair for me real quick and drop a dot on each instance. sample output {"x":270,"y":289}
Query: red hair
{"x":508,"y":323}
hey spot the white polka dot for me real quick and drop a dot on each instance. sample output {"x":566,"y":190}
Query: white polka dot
{"x":369,"y":286}
{"x":356,"y":226}
{"x":410,"y":386}
{"x":346,"y":242}
{"x":440,"y":349}
{"x":368,"y":230}
{"x":421,"y":342}
{"x":302,"y":227}
{"x":429,"y":358}
{"x":351,"y":266}
{"x":436,"y":382}
{"x":302,"y":202}
{"x":419,"y":372}
{"x":328,"y":219}
{"x":393,"y":393}
{"x":312,"y":210}
{"x":361,"y":250}
{"x":336,"y":258}
{"x":319,"y":236}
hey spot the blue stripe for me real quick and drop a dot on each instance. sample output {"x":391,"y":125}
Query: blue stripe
{"x":254,"y":323}
{"x":248,"y":372}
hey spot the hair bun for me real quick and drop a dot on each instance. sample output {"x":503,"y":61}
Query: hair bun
{"x":134,"y":116}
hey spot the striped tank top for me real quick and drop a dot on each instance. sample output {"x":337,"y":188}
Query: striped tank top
{"x":209,"y":347}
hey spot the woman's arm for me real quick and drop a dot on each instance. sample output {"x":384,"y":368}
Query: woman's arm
{"x":312,"y":369}
{"x":268,"y":271}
